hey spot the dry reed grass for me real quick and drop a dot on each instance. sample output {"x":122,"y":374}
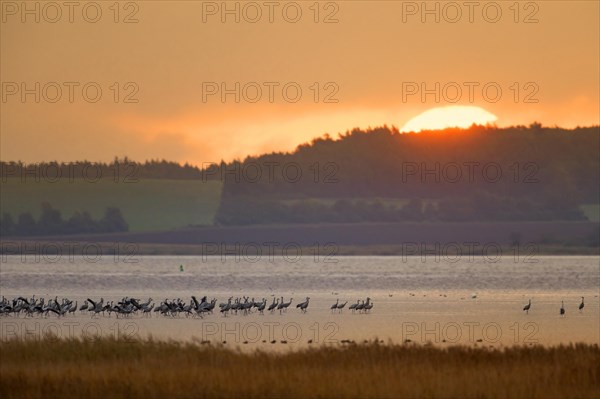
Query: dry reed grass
{"x":108,"y":368}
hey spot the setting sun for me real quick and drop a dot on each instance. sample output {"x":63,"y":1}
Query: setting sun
{"x":452,"y":116}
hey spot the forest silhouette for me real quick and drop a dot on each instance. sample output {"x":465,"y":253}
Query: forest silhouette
{"x":482,"y":173}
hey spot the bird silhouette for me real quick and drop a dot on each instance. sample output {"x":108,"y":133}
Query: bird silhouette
{"x":527,"y":307}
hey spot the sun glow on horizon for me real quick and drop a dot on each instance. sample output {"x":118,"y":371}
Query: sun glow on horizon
{"x":451,"y":116}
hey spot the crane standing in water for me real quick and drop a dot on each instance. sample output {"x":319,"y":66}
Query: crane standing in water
{"x":341,"y":306}
{"x":335,"y":305}
{"x":527,"y":307}
{"x":303,"y":305}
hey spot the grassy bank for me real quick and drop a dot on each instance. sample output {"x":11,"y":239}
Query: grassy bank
{"x":109,"y":368}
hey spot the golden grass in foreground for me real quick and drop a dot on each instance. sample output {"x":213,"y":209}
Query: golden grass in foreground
{"x":107,"y":368}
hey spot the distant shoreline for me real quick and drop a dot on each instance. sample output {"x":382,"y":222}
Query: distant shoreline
{"x":410,"y":239}
{"x":50,"y":248}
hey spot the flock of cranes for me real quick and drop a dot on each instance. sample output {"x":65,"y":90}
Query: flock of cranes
{"x":359,"y":306}
{"x":562,"y":311}
{"x":197,"y":308}
{"x":168,"y":307}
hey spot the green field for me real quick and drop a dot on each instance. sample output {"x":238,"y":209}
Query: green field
{"x":146,"y":205}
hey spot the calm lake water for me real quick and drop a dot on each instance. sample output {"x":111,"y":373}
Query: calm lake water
{"x":471,"y":301}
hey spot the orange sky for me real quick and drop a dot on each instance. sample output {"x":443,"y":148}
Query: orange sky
{"x":370,"y":54}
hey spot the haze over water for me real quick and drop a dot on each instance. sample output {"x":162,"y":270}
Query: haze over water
{"x":429,"y":301}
